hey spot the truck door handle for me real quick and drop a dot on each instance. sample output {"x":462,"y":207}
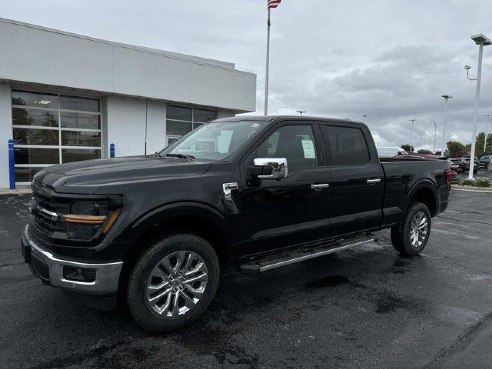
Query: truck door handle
{"x":375,"y":180}
{"x":319,"y":187}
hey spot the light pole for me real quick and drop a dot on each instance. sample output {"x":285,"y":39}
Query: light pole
{"x":446,"y":98}
{"x":435,"y":131}
{"x":486,"y":132}
{"x":481,"y":41}
{"x":411,"y":135}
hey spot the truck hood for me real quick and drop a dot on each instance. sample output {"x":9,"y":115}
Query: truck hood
{"x":88,"y":176}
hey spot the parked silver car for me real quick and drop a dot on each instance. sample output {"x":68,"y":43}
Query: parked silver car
{"x":484,"y":161}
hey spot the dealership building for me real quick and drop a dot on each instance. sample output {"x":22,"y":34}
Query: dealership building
{"x":66,"y":97}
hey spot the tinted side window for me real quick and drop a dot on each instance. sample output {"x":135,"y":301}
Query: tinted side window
{"x":347,"y":145}
{"x":295,"y":143}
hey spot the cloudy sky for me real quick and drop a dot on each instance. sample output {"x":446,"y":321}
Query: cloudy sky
{"x":388,"y":59}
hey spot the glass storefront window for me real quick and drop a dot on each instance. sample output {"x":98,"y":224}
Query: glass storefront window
{"x":34,"y":117}
{"x":71,"y":155}
{"x":35,"y":99}
{"x":178,"y":113}
{"x":79,"y":103}
{"x":26,"y":155}
{"x":53,"y":129}
{"x":23,"y":136}
{"x":178,"y":128}
{"x":181,"y":120}
{"x":203,"y":116}
{"x":77,"y":138}
{"x":25,"y":174}
{"x":80,"y":120}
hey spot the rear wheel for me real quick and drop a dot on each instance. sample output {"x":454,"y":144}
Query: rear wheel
{"x":411,"y":236}
{"x":173,"y":283}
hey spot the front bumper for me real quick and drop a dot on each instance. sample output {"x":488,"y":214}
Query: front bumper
{"x":49,"y":269}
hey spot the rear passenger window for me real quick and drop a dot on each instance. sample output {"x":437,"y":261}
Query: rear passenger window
{"x":347,"y":145}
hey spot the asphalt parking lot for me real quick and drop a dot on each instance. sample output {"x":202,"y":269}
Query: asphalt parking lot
{"x":361,"y":308}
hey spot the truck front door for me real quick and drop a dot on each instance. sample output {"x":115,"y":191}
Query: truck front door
{"x":277,"y":214}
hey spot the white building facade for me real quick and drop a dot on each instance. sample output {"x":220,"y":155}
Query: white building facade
{"x":66,"y":97}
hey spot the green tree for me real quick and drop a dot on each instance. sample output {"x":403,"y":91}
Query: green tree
{"x":479,"y":144}
{"x":488,"y":146}
{"x":49,"y":120}
{"x":20,"y":116}
{"x":407,"y":147}
{"x":422,"y":151}
{"x":455,"y":147}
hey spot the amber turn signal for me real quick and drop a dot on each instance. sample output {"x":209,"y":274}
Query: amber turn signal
{"x":84,"y":219}
{"x":111,"y":220}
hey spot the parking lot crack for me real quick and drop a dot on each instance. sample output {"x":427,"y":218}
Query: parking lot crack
{"x":77,"y":358}
{"x":460,"y":344}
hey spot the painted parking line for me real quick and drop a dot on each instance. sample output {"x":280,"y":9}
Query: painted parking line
{"x":455,"y":233}
{"x":458,"y":225}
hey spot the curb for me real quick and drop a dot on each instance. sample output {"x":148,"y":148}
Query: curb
{"x":17,"y":191}
{"x":471,"y":189}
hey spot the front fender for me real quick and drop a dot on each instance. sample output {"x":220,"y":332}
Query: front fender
{"x":187,"y":208}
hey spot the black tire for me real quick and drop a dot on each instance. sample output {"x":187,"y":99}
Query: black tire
{"x":137,"y":299}
{"x":397,"y":239}
{"x":403,"y":239}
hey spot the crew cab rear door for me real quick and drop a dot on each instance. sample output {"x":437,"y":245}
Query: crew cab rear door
{"x":357,"y":179}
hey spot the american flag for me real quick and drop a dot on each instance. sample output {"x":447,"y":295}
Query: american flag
{"x":273,"y":3}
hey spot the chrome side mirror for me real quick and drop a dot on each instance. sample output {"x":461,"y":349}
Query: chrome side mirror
{"x":272,"y":168}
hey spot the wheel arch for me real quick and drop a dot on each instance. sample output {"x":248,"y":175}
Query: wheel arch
{"x":184,"y":217}
{"x":200,"y":219}
{"x":426,"y":193}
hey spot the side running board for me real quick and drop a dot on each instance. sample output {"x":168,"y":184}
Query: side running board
{"x":276,"y":261}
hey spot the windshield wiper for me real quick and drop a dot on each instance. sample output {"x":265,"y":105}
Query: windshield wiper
{"x":157,"y":154}
{"x":181,"y":156}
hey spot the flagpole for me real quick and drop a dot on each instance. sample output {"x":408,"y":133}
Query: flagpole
{"x":267,"y":64}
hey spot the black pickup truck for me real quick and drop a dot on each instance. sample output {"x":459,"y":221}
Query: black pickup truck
{"x":255,"y":192}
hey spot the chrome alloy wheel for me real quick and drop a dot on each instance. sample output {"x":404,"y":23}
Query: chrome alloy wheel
{"x":176,"y":284}
{"x":419,"y":229}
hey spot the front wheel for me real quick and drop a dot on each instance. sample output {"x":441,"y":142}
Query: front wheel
{"x":411,"y":236}
{"x":173,"y":283}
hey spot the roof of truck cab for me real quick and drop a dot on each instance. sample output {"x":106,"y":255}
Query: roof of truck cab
{"x":271,"y":118}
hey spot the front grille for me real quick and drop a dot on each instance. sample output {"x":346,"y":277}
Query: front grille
{"x":42,"y":225}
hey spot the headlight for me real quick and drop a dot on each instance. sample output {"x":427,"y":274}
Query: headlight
{"x":96,"y":208}
{"x":85,"y":218}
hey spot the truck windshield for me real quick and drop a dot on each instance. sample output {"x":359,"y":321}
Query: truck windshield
{"x":214,"y":141}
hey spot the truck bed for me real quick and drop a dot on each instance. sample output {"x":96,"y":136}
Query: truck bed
{"x":401,"y":176}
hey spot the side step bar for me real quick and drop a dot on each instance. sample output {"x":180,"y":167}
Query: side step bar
{"x":263,"y":265}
